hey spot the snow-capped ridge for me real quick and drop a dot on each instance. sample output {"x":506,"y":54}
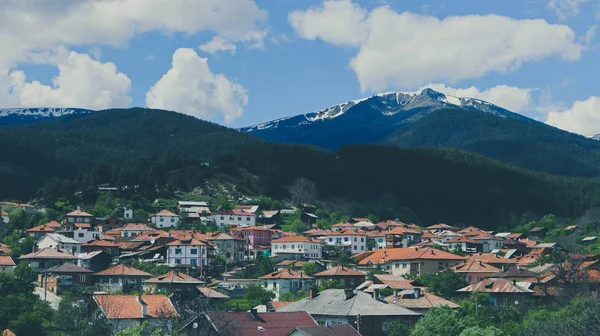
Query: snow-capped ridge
{"x":13,"y":116}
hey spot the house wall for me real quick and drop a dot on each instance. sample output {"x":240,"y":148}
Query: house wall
{"x":350,"y":243}
{"x":420,"y":266}
{"x":380,"y":241}
{"x":235,"y":220}
{"x":56,"y":283}
{"x":280,"y":286}
{"x":184,"y":255}
{"x":347,"y":282}
{"x":165,"y":221}
{"x":490,"y":244}
{"x":474,"y":277}
{"x":118,"y":283}
{"x":41,"y":265}
{"x":311,"y":250}
{"x":83,"y":235}
{"x":232,"y":249}
{"x":49,"y":242}
{"x":7,"y":269}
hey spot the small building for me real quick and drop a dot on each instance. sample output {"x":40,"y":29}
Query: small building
{"x":493,"y":260}
{"x":376,"y":239}
{"x":589,"y":240}
{"x":7,"y":264}
{"x":402,"y":237}
{"x":125,"y":311}
{"x":164,"y":219}
{"x":4,"y":249}
{"x":121,"y":278}
{"x":287,"y":280}
{"x":502,"y":291}
{"x":134,"y":229}
{"x":212,"y":294}
{"x":515,"y":273}
{"x":475,"y":271}
{"x":81,"y":234}
{"x":5,"y":217}
{"x":190,"y":251}
{"x":419,"y":301}
{"x":65,"y":277}
{"x":105,"y":246}
{"x":78,"y":217}
{"x":53,"y":240}
{"x":345,"y":276}
{"x":173,"y":280}
{"x":251,"y":323}
{"x":95,"y":261}
{"x":465,"y":245}
{"x":234,"y":218}
{"x":41,"y":230}
{"x":189,"y":209}
{"x":48,"y":257}
{"x":106,"y":224}
{"x":419,"y":260}
{"x":538,"y":233}
{"x":297,"y":248}
{"x":230,"y":246}
{"x":347,"y":240}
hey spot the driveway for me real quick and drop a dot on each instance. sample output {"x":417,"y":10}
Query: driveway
{"x":52,"y":298}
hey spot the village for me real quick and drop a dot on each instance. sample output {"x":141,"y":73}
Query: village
{"x":250,"y":277}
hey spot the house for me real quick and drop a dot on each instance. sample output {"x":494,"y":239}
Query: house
{"x":258,"y":239}
{"x":370,"y":317}
{"x":112,"y":233}
{"x":475,"y":271}
{"x":4,"y":249}
{"x":7,"y":264}
{"x":106,"y":224}
{"x":173,"y":280}
{"x":78,"y":218}
{"x":465,"y":244}
{"x":234,"y":218}
{"x":95,"y":261}
{"x":441,"y":227}
{"x":121,"y":278}
{"x":230,"y":246}
{"x":396,"y":282}
{"x":40,"y":230}
{"x":124,"y":311}
{"x":402,"y":237}
{"x":328,"y":330}
{"x":212,"y":294}
{"x":400,"y":261}
{"x":52,"y":240}
{"x":589,"y":240}
{"x":190,"y":251}
{"x":345,"y":276}
{"x":515,"y":273}
{"x":418,"y":300}
{"x":287,"y":280}
{"x":347,"y":240}
{"x":106,"y":246}
{"x":47,"y":257}
{"x":269,"y":217}
{"x":80,"y":234}
{"x":343,"y":226}
{"x":251,"y":323}
{"x":65,"y":277}
{"x":133,"y":229}
{"x":297,"y":248}
{"x":297,"y":265}
{"x":493,"y":259}
{"x":488,"y":241}
{"x":538,"y":233}
{"x":514,"y":244}
{"x":189,"y":209}
{"x":502,"y":291}
{"x":158,"y":237}
{"x":165,"y":219}
{"x":309,"y":218}
{"x":376,"y":239}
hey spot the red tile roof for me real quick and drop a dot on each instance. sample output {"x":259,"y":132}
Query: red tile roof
{"x":48,"y":253}
{"x":113,"y":232}
{"x":97,"y":242}
{"x":339,"y":271}
{"x":6,"y":261}
{"x":278,"y":304}
{"x":211,"y":293}
{"x":174,"y":277}
{"x":128,"y":307}
{"x":165,"y":213}
{"x":4,"y":248}
{"x":123,"y":270}
{"x":286,"y":274}
{"x":7,"y":332}
{"x":401,"y":231}
{"x":345,"y":232}
{"x":343,"y":224}
{"x":408,"y":253}
{"x":42,"y":228}
{"x":189,"y":242}
{"x":397,"y":282}
{"x":53,"y":224}
{"x":441,"y":226}
{"x":295,"y":239}
{"x":136,"y":227}
{"x":491,"y":258}
{"x":270,"y":324}
{"x":475,"y":266}
{"x":495,"y":285}
{"x":79,"y":213}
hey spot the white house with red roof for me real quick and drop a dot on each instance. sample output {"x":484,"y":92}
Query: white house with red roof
{"x":347,"y":240}
{"x":7,"y":264}
{"x":287,"y":280}
{"x":78,"y":218}
{"x":235,"y":217}
{"x":298,"y":247}
{"x":190,"y":251}
{"x":134,"y":229}
{"x":164,"y":219}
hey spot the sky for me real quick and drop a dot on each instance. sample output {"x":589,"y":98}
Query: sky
{"x":242,"y":62}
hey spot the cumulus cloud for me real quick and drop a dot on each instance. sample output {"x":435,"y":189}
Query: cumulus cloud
{"x":583,"y":117}
{"x":509,"y":97}
{"x":191,"y":87}
{"x":565,"y":9}
{"x":81,"y":82}
{"x":407,"y":50}
{"x":218,"y":44}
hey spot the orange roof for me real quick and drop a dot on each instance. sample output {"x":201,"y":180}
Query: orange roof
{"x":408,"y":253}
{"x":339,"y":271}
{"x":428,"y":235}
{"x":136,"y":227}
{"x":174,"y":277}
{"x":441,"y":226}
{"x":495,"y":285}
{"x":165,"y":213}
{"x":402,"y":230}
{"x":343,"y":224}
{"x":80,"y":213}
{"x":83,"y":225}
{"x":41,"y":228}
{"x":123,"y":270}
{"x":189,"y":241}
{"x":286,"y":274}
{"x":7,"y":332}
{"x":128,"y":306}
{"x":491,"y":258}
{"x":396,"y":281}
{"x":4,"y":248}
{"x":211,"y":293}
{"x":113,"y":232}
{"x":48,"y":253}
{"x":54,"y":224}
{"x":278,"y":304}
{"x":345,"y":232}
{"x":475,"y":266}
{"x":529,"y":242}
{"x":6,"y":261}
{"x":295,"y":239}
{"x":463,"y":240}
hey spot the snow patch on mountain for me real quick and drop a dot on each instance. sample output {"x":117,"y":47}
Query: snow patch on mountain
{"x":12,"y":116}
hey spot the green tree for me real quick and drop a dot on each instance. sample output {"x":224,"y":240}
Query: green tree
{"x":397,"y":328}
{"x":479,"y":331}
{"x":385,"y":292}
{"x":441,"y":321}
{"x":257,"y":295}
{"x":144,"y":329}
{"x":329,"y":284}
{"x":444,"y":283}
{"x":309,"y":268}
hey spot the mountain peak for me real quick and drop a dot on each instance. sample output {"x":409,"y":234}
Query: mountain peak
{"x":18,"y":116}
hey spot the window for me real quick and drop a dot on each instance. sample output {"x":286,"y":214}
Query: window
{"x":355,"y":247}
{"x":82,"y":278}
{"x":178,"y":261}
{"x":222,"y":218}
{"x":80,"y":235}
{"x":194,"y":251}
{"x":403,"y":265}
{"x":355,"y":239}
{"x":161,"y":219}
{"x":239,"y":218}
{"x":194,"y":262}
{"x":330,"y":240}
{"x":172,"y":219}
{"x":380,"y":240}
{"x":397,"y":266}
{"x":284,"y":246}
{"x":469,"y":278}
{"x":177,"y":251}
{"x":321,"y":323}
{"x":71,"y":219}
{"x":79,"y":219}
{"x":248,"y":219}
{"x":228,"y":255}
{"x":345,"y":239}
{"x":342,"y":282}
{"x":87,"y":220}
{"x":362,"y":240}
{"x":293,"y":246}
{"x":362,"y":248}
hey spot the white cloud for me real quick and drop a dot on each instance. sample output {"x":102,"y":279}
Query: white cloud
{"x":190,"y":87}
{"x":218,"y":44}
{"x":81,"y":82}
{"x":565,"y":9}
{"x":407,"y":50}
{"x":42,"y":25}
{"x":509,"y":97}
{"x":583,"y":117}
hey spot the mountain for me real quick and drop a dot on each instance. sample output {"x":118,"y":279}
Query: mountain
{"x":433,"y":119}
{"x":19,"y":116}
{"x":595,"y":137}
{"x":155,"y":152}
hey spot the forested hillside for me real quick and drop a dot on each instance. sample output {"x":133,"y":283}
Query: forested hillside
{"x":151,"y":151}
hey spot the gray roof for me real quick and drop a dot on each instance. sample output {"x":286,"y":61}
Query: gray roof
{"x":333,"y":302}
{"x":61,"y":239}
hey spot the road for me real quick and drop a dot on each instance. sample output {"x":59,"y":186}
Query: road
{"x":52,"y":298}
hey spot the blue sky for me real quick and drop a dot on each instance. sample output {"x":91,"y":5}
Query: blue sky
{"x":270,"y":59}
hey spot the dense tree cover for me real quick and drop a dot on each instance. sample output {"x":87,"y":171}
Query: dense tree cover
{"x":257,"y":295}
{"x":444,"y":283}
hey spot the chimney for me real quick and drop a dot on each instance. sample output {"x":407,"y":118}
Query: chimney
{"x":254,"y":313}
{"x":376,"y":294}
{"x":348,"y":293}
{"x":417,"y":292}
{"x":139,"y":300}
{"x":514,"y":282}
{"x":312,"y":293}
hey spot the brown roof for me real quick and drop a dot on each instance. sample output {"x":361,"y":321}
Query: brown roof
{"x":441,"y":226}
{"x":328,"y":330}
{"x":475,"y":266}
{"x":425,"y":300}
{"x":48,"y":253}
{"x":42,"y":228}
{"x":189,"y":241}
{"x":69,"y":268}
{"x":294,"y":239}
{"x":136,"y":227}
{"x":345,"y":232}
{"x":80,"y":213}
{"x":98,"y":242}
{"x":297,"y":263}
{"x":211,"y":293}
{"x":402,"y":230}
{"x":278,"y":304}
{"x":515,"y":272}
{"x":113,"y":232}
{"x":53,"y":224}
{"x":463,"y":240}
{"x":267,"y":324}
{"x":128,"y":306}
{"x":529,"y":242}
{"x":495,"y":285}
{"x":286,"y":274}
{"x":491,"y":258}
{"x":165,"y":213}
{"x":343,"y":224}
{"x":174,"y":277}
{"x":4,"y":248}
{"x":339,"y":271}
{"x":6,"y":261}
{"x":408,"y":253}
{"x":123,"y":270}
{"x":397,"y":282}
